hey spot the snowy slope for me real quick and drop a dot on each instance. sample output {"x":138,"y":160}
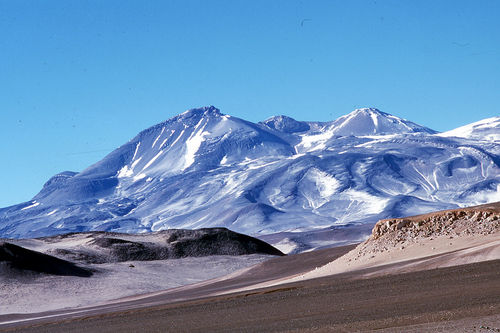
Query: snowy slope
{"x":360,"y":122}
{"x":205,"y":169}
{"x":486,"y":130}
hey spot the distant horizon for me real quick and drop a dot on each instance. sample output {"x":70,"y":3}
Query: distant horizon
{"x":82,"y":78}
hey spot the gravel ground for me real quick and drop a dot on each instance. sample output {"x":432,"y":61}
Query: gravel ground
{"x":454,"y":299}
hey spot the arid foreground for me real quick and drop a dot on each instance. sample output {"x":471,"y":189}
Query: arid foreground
{"x":410,"y":277}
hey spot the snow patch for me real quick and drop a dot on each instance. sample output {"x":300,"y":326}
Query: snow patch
{"x":139,"y":177}
{"x":168,"y":137}
{"x":326,"y":184}
{"x":371,"y":204}
{"x":177,"y":139}
{"x":156,"y":140}
{"x":136,"y":149}
{"x":125,"y":172}
{"x":375,"y":121}
{"x":485,"y":196}
{"x":314,"y":142}
{"x":153,"y":160}
{"x":134,"y":164}
{"x":52,"y":212}
{"x":193,"y":144}
{"x":31,"y":206}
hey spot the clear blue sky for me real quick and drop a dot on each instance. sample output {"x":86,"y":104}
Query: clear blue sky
{"x":80,"y":78}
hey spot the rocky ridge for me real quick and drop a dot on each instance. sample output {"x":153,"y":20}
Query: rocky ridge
{"x":400,"y":232}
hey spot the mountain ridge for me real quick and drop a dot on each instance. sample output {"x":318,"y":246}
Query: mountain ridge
{"x":203,"y":168}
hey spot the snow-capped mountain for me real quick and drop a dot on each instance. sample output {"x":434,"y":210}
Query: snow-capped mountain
{"x":206,"y":169}
{"x":370,"y":121}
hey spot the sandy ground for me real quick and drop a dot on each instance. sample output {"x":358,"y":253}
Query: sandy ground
{"x":411,"y":256}
{"x":112,"y":281}
{"x":441,"y":239}
{"x":424,"y":254}
{"x":462,"y":298}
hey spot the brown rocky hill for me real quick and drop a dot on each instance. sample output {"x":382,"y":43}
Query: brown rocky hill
{"x":484,"y":219}
{"x":440,"y":239}
{"x":452,"y":223}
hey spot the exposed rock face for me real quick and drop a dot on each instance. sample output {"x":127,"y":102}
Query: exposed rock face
{"x":391,"y":234}
{"x":483,"y":219}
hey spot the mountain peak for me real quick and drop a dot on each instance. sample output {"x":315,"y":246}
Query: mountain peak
{"x":372,"y":121}
{"x":205,"y":110}
{"x":286,"y":124}
{"x":371,"y":112}
{"x":367,"y":110}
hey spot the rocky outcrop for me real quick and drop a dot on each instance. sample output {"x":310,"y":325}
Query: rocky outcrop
{"x":465,"y":221}
{"x":398,"y":233}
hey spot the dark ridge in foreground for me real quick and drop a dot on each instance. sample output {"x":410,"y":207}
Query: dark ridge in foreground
{"x":104,"y":247}
{"x":216,"y":241}
{"x":16,"y":260}
{"x":180,"y":243}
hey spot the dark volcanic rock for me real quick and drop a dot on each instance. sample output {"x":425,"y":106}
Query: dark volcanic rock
{"x":177,"y":243}
{"x":17,"y":258}
{"x":124,"y":250}
{"x":79,"y":256}
{"x":215,"y":241}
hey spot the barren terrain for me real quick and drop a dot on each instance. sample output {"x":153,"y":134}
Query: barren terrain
{"x":433,"y":272}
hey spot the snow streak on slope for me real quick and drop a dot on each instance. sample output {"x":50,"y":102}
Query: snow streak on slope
{"x":205,"y":169}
